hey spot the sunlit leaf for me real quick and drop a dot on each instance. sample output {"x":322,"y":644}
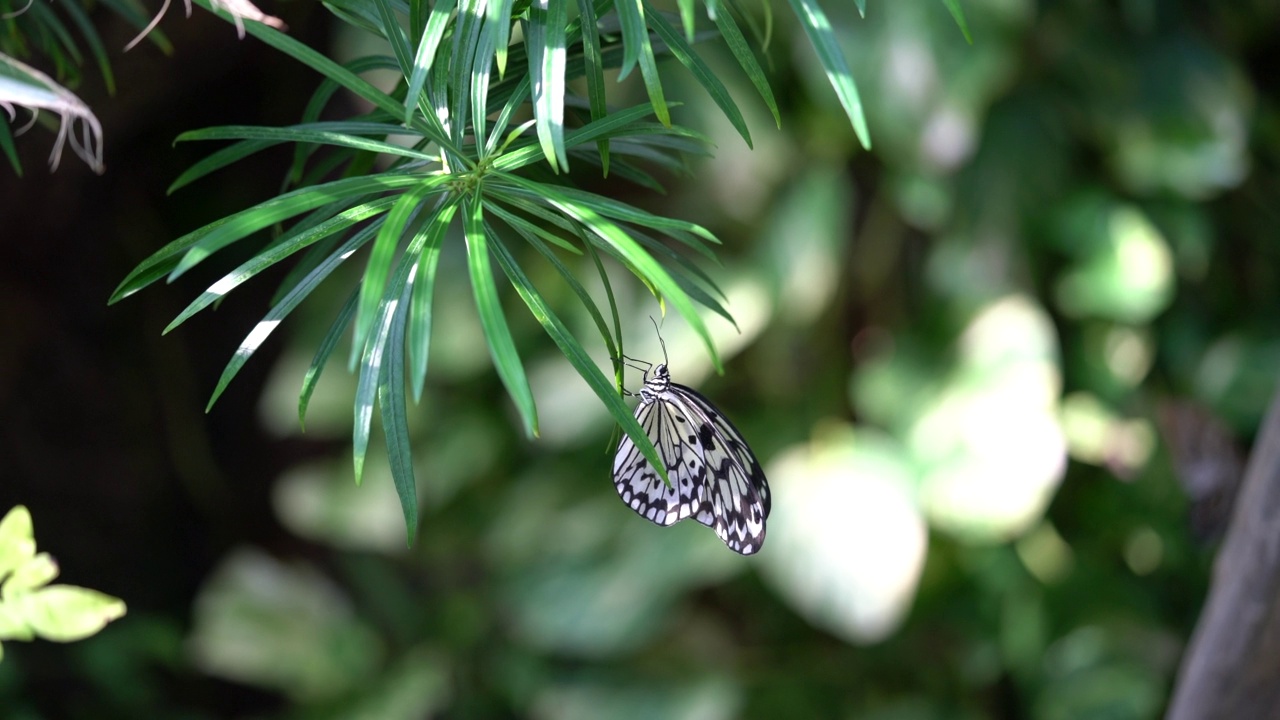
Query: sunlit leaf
{"x":818,"y":28}
{"x":419,"y":340}
{"x":546,"y":40}
{"x":502,"y":347}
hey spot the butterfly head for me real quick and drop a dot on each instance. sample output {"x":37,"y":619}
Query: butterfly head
{"x":656,"y":382}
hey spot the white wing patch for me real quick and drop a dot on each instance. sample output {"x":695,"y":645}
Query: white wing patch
{"x":715,"y":477}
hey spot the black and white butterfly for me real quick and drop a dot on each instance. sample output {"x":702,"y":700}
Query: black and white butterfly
{"x":715,"y":477}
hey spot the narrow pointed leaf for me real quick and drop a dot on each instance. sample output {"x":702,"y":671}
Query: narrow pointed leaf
{"x":747,"y":59}
{"x":425,"y":56}
{"x":480,"y":72}
{"x":280,"y":310}
{"x":546,"y":40}
{"x":395,"y":423}
{"x":499,"y":14}
{"x":653,"y":81}
{"x":631,"y":252}
{"x":218,"y":160}
{"x":686,"y":18}
{"x":818,"y":28}
{"x":349,"y":80}
{"x":502,"y":347}
{"x":594,"y":73}
{"x":321,"y":358}
{"x":215,"y":236}
{"x":375,"y":351}
{"x":420,"y":303}
{"x":384,"y":249}
{"x":958,"y":13}
{"x":699,"y":69}
{"x":394,"y":35}
{"x":634,"y":35}
{"x":336,"y":134}
{"x":578,"y":357}
{"x":466,"y":37}
{"x":585,"y":297}
{"x":276,"y":253}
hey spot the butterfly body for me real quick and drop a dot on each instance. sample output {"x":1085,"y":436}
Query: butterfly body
{"x":715,"y":478}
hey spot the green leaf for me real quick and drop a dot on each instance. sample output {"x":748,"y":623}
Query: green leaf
{"x":578,"y":357}
{"x":64,"y":613}
{"x":10,"y":150}
{"x":428,"y":124}
{"x":958,"y":13}
{"x":466,"y":37}
{"x":319,"y":134}
{"x":747,"y":59}
{"x":630,"y":251}
{"x":501,"y":346}
{"x":384,"y":249}
{"x":481,"y":66}
{"x":546,"y":40}
{"x":634,"y":34}
{"x":653,"y":81}
{"x":38,"y":571}
{"x":681,"y":230}
{"x":323,"y":352}
{"x":395,"y":37}
{"x":280,"y":310}
{"x":90,"y":34}
{"x":614,"y":124}
{"x":29,"y":606}
{"x":374,"y":353}
{"x":278,"y":252}
{"x":820,"y":33}
{"x":220,"y":159}
{"x":699,"y":69}
{"x":423,"y":288}
{"x":217,"y":235}
{"x":572,"y":282}
{"x":686,"y":18}
{"x":394,"y":421}
{"x":594,"y":73}
{"x":499,"y":15}
{"x":437,"y":23}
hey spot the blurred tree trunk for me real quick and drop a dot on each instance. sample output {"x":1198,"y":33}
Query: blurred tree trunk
{"x":1232,"y":667}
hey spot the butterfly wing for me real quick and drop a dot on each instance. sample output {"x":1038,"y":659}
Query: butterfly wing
{"x":735,"y":499}
{"x":641,"y":487}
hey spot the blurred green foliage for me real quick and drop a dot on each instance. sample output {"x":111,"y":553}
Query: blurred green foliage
{"x":952,"y":359}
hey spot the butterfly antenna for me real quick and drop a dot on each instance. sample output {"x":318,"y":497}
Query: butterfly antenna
{"x":661,"y":342}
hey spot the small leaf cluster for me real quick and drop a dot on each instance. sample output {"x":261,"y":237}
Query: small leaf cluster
{"x":29,"y":606}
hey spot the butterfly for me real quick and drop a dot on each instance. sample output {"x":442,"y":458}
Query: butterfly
{"x":715,"y":477}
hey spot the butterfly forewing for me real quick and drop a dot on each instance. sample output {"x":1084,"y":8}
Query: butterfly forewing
{"x":716,"y":478}
{"x":641,"y":487}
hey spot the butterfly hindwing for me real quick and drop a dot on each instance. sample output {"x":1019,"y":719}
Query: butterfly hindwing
{"x":715,"y":477}
{"x":737,"y":495}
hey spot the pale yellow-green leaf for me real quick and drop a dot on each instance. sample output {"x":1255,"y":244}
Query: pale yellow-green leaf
{"x":65,"y":612}
{"x":34,"y":573}
{"x":17,"y":539}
